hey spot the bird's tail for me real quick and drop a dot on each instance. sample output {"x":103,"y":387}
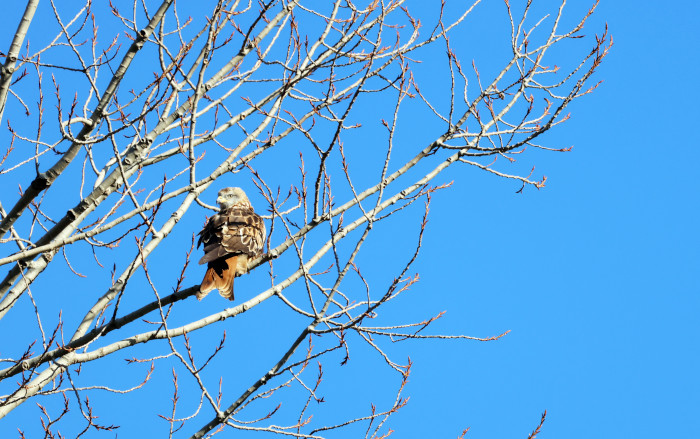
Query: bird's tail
{"x":220,"y":274}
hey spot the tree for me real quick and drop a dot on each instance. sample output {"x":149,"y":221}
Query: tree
{"x":121,"y":122}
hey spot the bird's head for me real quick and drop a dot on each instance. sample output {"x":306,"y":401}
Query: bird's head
{"x":230,"y":196}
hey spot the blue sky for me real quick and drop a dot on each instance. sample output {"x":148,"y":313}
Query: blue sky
{"x":595,"y":275}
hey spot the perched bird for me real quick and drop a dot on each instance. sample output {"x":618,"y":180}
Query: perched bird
{"x":231,"y":237}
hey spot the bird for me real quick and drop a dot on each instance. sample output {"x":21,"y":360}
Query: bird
{"x":231,"y":238}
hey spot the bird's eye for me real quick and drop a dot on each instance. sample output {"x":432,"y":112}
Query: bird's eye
{"x":229,"y":196}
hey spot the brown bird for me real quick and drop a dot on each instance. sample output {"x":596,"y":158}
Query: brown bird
{"x":231,"y":237}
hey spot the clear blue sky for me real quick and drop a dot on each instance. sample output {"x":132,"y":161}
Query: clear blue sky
{"x":596,"y":275}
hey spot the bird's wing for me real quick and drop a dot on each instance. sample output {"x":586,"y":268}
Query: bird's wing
{"x":235,"y":231}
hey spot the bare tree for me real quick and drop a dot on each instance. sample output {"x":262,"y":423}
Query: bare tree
{"x":128,"y":116}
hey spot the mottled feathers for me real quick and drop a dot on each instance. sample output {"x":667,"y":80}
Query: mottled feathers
{"x":231,"y":237}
